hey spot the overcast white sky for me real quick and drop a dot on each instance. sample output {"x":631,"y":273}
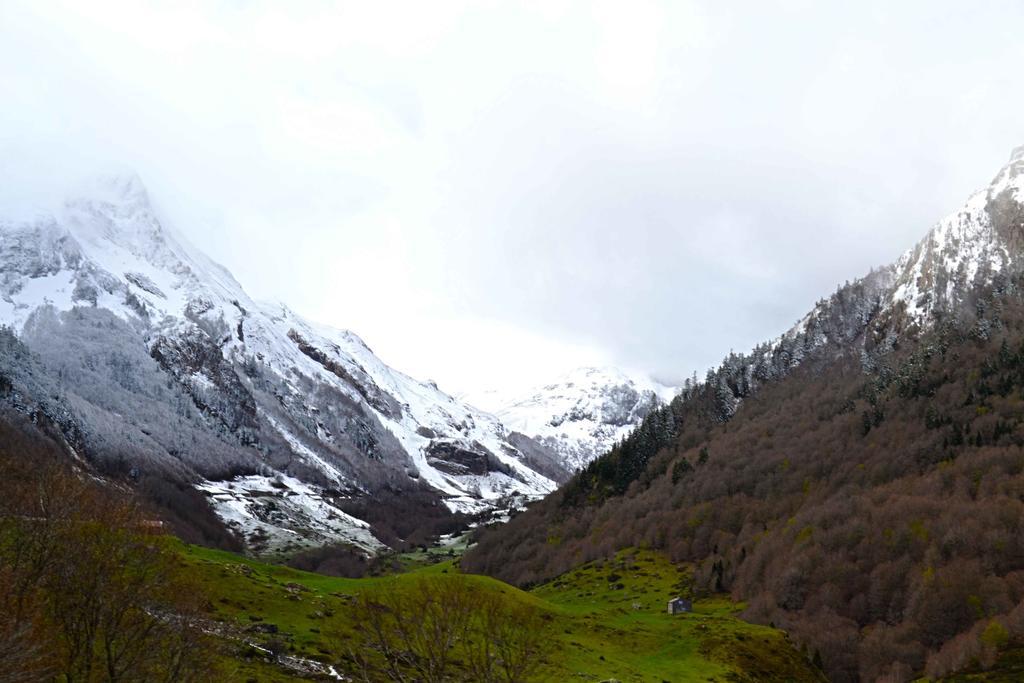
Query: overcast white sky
{"x":491,"y":193}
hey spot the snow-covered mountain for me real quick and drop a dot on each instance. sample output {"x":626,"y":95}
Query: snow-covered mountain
{"x":980,"y":245}
{"x":581,"y":414}
{"x":153,"y":359}
{"x":971,"y":246}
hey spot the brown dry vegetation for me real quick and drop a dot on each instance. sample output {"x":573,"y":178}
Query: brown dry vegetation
{"x":86,"y":593}
{"x":877,"y":516}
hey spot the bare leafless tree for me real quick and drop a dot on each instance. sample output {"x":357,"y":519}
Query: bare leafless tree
{"x":84,"y":593}
{"x":24,"y":657}
{"x":443,"y":629}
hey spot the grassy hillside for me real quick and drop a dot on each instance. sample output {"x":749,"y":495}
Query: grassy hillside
{"x":616,"y":625}
{"x":605,"y":620}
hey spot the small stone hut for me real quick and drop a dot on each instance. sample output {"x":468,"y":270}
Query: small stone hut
{"x":679,"y":606}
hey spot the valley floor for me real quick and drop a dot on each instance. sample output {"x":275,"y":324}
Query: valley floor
{"x":607,"y":620}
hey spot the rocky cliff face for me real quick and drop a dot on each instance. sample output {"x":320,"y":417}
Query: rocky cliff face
{"x":152,"y":358}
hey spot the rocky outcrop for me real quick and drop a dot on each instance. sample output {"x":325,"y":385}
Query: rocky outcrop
{"x":454,"y":458}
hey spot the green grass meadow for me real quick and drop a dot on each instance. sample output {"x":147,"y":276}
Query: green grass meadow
{"x":607,"y":620}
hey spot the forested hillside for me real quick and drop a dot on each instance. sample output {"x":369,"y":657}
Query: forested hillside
{"x":858,"y":480}
{"x":877,"y":516}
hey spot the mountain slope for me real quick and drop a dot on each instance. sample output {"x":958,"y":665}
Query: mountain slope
{"x":978,"y":245}
{"x":856,"y":480}
{"x":582,"y":414}
{"x":159,"y":361}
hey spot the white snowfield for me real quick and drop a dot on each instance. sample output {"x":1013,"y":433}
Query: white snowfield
{"x":108,"y":249}
{"x":582,"y":414}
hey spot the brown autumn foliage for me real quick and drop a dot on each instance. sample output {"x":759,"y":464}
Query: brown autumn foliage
{"x":85,"y":594}
{"x":877,"y":516}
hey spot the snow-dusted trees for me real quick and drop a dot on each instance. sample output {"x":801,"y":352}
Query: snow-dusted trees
{"x":611,"y":474}
{"x":126,"y":408}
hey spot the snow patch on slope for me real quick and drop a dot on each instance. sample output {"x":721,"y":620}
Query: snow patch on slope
{"x":281,"y":514}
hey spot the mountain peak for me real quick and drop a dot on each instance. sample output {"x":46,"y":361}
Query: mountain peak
{"x":592,"y":373}
{"x":254,"y":391}
{"x":584,"y":412}
{"x":121,"y":187}
{"x":1010,"y":176}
